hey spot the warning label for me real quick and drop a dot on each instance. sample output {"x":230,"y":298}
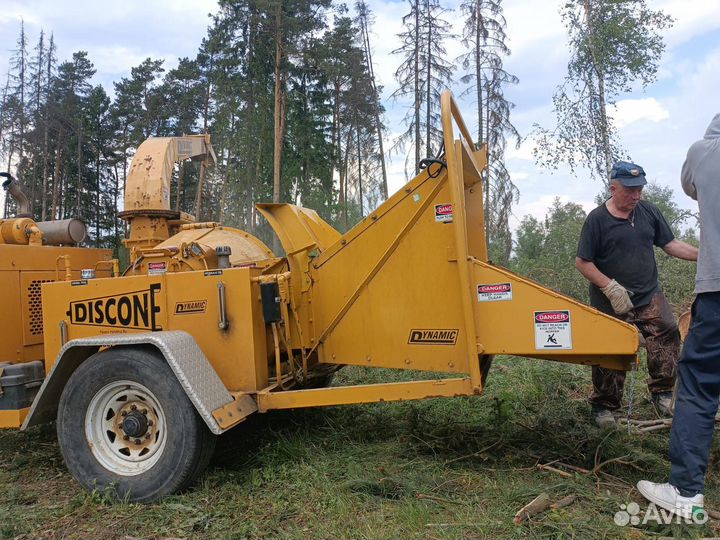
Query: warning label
{"x":444,"y":213}
{"x":156,"y":268}
{"x":553,"y":330}
{"x":494,"y":292}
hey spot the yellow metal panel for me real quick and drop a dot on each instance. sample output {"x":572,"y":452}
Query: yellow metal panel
{"x":368,"y":393}
{"x":508,"y":326}
{"x":31,"y":305}
{"x":11,"y":342}
{"x":238,"y":354}
{"x":186,"y":301}
{"x":13,"y":418}
{"x":474,"y":207}
{"x":22,"y":267}
{"x":148,"y":183}
{"x":244,"y":247}
{"x":396,"y":279}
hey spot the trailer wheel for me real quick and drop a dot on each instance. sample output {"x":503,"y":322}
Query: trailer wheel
{"x":127,"y":429}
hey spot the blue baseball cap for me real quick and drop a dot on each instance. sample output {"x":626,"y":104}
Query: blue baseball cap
{"x":628,"y":174}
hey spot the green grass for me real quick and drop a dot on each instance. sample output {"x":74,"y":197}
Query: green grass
{"x":442,"y":468}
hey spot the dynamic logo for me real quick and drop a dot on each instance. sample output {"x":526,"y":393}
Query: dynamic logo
{"x":193,"y":306}
{"x":433,"y":337}
{"x":137,"y":310}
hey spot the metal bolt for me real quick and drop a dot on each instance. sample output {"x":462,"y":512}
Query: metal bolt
{"x":137,"y":441}
{"x":150,"y":422}
{"x":123,"y":413}
{"x":144,"y":411}
{"x":126,"y":438}
{"x":133,"y":407}
{"x":147,"y":435}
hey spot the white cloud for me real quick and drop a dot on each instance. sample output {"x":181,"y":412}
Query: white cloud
{"x":627,"y":111}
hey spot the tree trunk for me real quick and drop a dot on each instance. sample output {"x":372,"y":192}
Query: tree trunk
{"x":602,"y":106}
{"x":56,"y":178}
{"x":79,"y":177}
{"x":418,"y":90}
{"x":180,"y":186}
{"x":97,"y":198}
{"x":279,"y":113}
{"x":359,"y":165}
{"x":376,"y":105}
{"x":478,"y":73}
{"x":428,"y":86}
{"x":199,"y":192}
{"x":279,"y":99}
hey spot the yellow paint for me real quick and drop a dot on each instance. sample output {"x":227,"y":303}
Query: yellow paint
{"x":23,"y":270}
{"x":13,"y":418}
{"x":399,"y":290}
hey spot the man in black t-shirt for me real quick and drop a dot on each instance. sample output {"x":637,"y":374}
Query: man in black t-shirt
{"x":616,"y":255}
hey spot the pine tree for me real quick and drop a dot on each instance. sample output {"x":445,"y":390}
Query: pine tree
{"x":484,"y":35}
{"x":423,"y":75}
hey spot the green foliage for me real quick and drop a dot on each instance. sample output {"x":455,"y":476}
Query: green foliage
{"x":441,"y":468}
{"x":545,"y":251}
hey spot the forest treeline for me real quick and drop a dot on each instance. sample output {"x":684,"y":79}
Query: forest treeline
{"x":287,"y":90}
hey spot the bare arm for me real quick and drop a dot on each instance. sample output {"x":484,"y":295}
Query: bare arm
{"x":591,"y":272}
{"x":681,"y":250}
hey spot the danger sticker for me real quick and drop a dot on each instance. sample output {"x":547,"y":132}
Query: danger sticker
{"x":494,"y":292}
{"x":156,"y":268}
{"x":553,"y":330}
{"x":444,"y":213}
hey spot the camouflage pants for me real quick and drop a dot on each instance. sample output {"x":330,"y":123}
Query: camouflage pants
{"x":662,"y":342}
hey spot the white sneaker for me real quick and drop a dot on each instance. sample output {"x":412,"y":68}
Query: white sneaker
{"x":668,"y":497}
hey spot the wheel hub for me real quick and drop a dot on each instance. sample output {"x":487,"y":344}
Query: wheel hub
{"x":126,"y":427}
{"x":135,"y":424}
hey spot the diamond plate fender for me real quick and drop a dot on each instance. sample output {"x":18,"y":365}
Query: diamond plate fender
{"x":190,"y":365}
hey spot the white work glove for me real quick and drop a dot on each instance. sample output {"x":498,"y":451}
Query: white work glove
{"x":619,"y":297}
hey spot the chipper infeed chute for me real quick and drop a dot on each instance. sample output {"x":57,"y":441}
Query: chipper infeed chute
{"x":410,"y":287}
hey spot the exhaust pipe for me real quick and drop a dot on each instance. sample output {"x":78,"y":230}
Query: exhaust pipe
{"x":12,"y":187}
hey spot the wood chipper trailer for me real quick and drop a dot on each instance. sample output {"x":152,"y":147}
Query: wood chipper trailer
{"x":208,"y":326}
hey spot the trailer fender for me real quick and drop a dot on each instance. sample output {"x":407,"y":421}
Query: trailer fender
{"x":189,"y":364}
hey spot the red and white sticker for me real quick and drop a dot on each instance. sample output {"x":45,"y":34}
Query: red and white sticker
{"x":494,"y":292}
{"x":156,"y":268}
{"x":553,"y":330}
{"x":444,"y":213}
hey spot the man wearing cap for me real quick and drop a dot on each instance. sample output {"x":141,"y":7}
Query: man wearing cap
{"x":616,"y":255}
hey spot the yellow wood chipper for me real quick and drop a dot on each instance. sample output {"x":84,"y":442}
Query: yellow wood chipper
{"x":208,"y":326}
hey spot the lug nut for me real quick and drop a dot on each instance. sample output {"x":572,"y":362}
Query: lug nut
{"x":137,"y":441}
{"x":147,"y":435}
{"x":144,"y":411}
{"x":150,"y":422}
{"x":123,"y":413}
{"x":126,"y":438}
{"x":133,"y":407}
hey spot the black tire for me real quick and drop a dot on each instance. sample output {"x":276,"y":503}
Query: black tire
{"x":92,"y":423}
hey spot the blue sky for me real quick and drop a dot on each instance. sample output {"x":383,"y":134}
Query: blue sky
{"x":656,"y":126}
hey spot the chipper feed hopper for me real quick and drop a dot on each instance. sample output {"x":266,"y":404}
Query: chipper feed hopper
{"x":208,"y":326}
